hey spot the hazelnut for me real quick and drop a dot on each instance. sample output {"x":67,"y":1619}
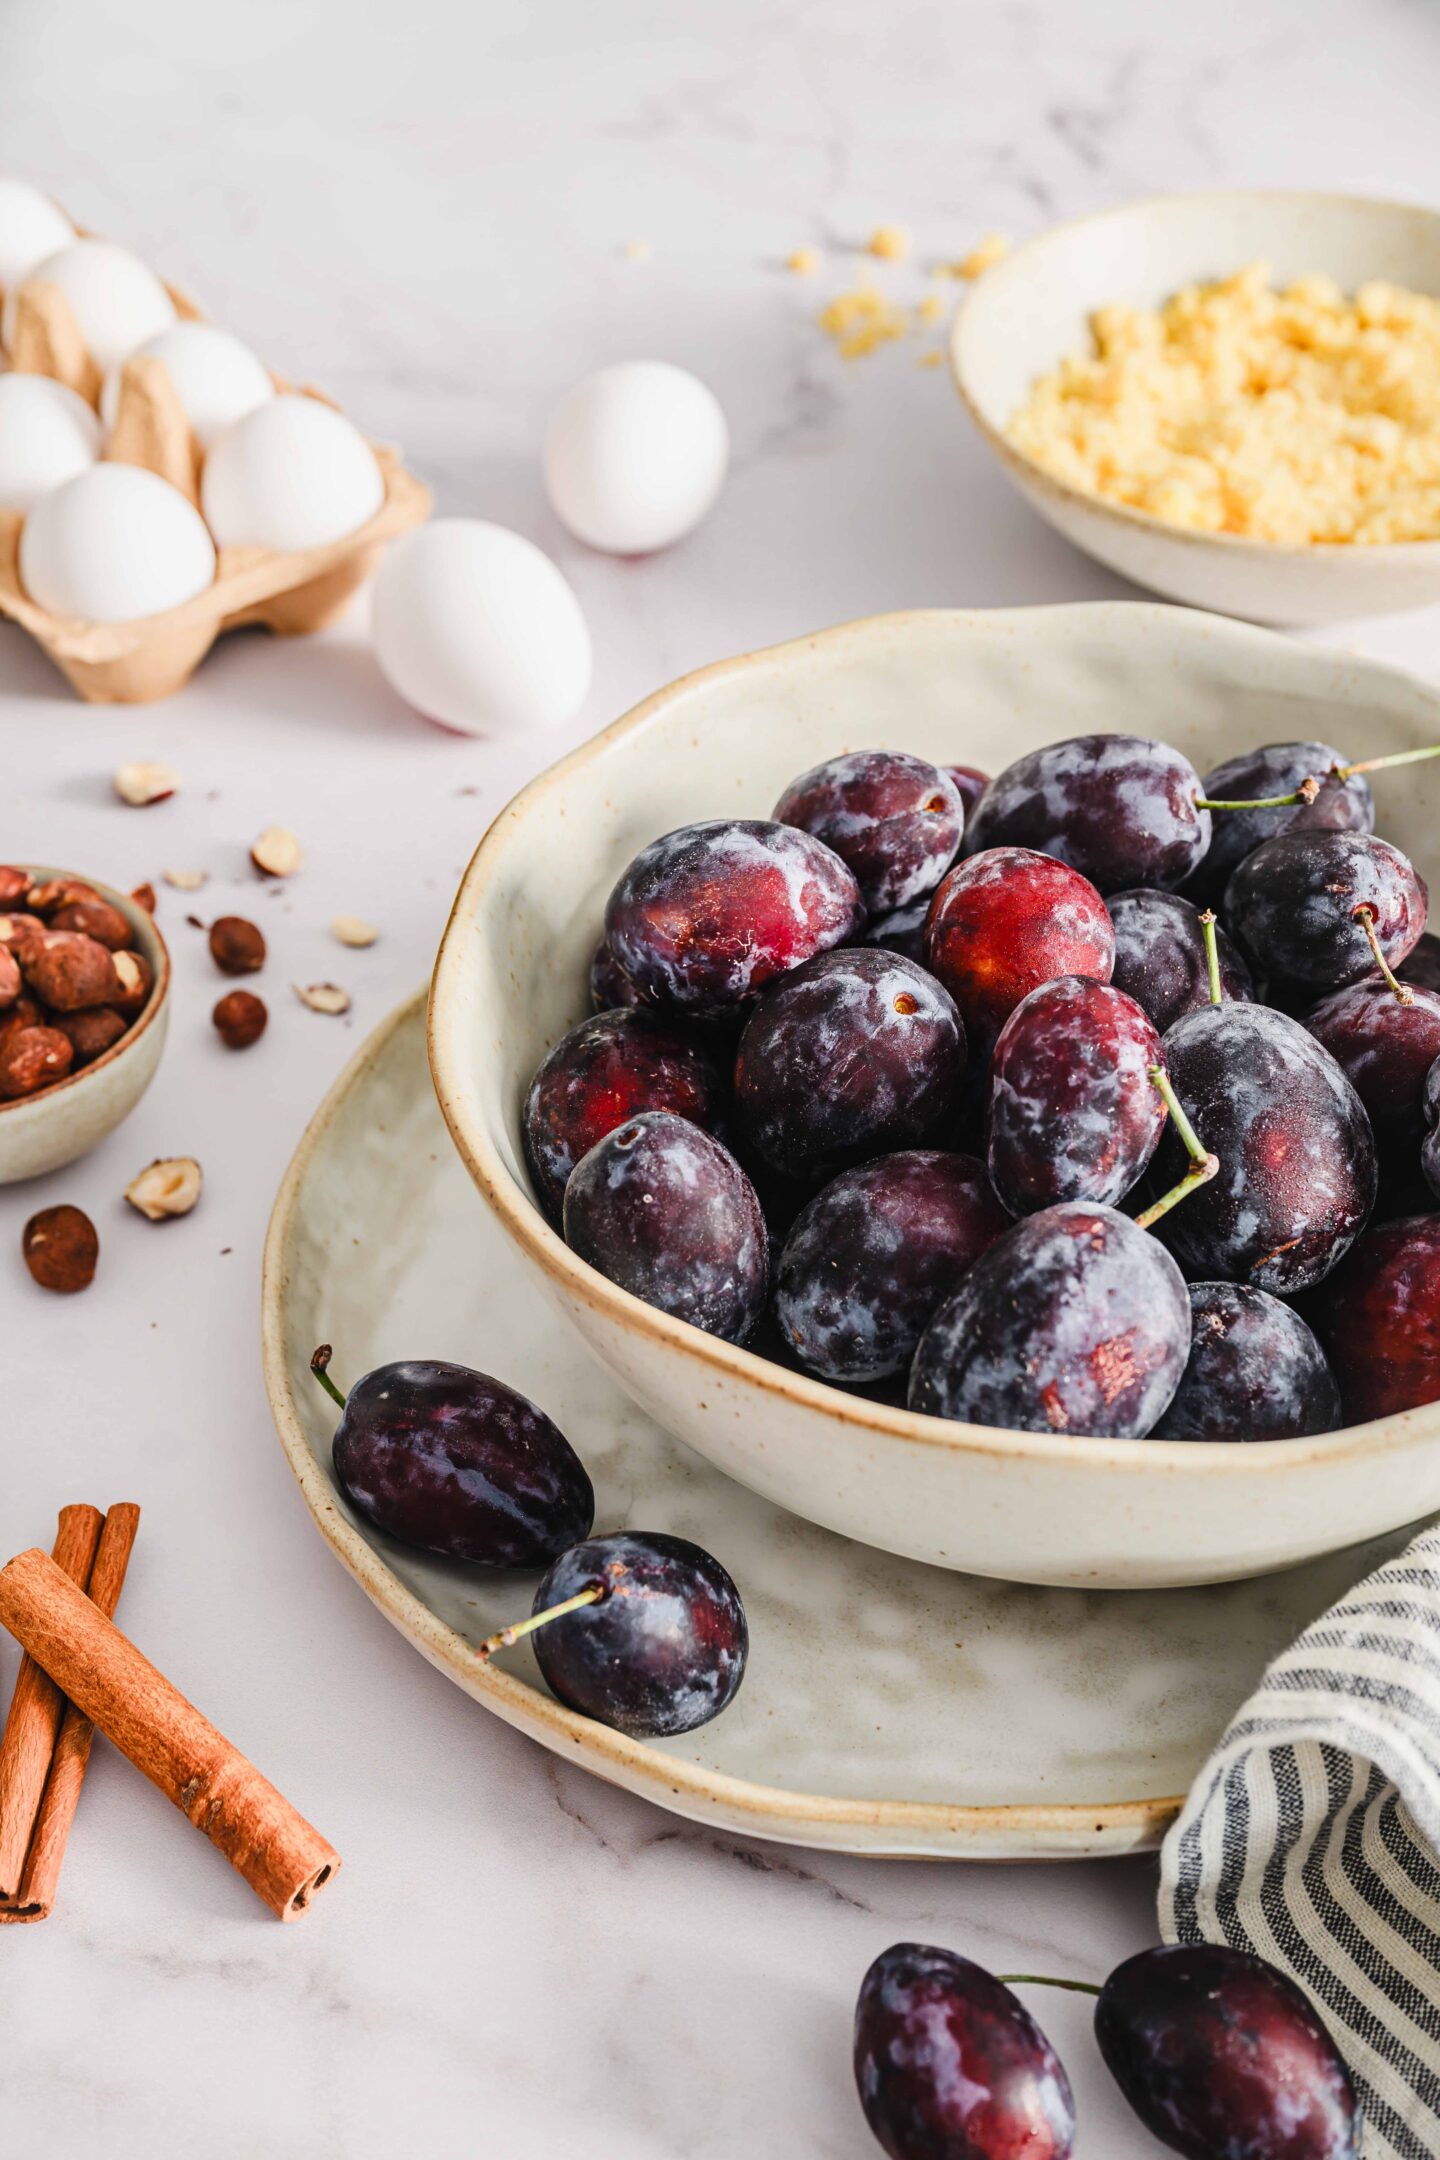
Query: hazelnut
{"x":14,"y":884}
{"x":144,"y":897}
{"x":236,"y":946}
{"x":32,"y":1058}
{"x":21,"y":932}
{"x":276,"y":853}
{"x":24,"y":1013}
{"x":9,"y":976}
{"x":68,"y":970}
{"x":168,"y":1187}
{"x":353,"y":930}
{"x":56,"y":893}
{"x":92,"y":1032}
{"x":323,"y":997}
{"x":240,"y":1018}
{"x":142,"y":783}
{"x":136,"y":978}
{"x":61,"y":1248}
{"x":186,"y":880}
{"x":97,"y":919}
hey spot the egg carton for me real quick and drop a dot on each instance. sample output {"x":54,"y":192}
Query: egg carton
{"x":292,"y":594}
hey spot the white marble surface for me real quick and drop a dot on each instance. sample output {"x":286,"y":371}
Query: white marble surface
{"x":424,"y":208}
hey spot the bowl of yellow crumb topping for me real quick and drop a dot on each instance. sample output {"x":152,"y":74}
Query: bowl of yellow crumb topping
{"x":1232,"y":398}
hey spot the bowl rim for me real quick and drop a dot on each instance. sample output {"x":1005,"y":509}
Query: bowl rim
{"x":141,"y":919}
{"x":1038,"y":477}
{"x":525,"y":1224}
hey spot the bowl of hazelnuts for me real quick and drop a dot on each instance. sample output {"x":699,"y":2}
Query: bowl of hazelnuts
{"x":84,"y":1004}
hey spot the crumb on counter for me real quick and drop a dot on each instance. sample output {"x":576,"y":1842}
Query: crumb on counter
{"x":891,"y":243}
{"x":931,"y":308}
{"x":989,"y":251}
{"x":1291,"y":415}
{"x":860,"y":320}
{"x":805,"y":261}
{"x":933,"y":358}
{"x":638,"y":251}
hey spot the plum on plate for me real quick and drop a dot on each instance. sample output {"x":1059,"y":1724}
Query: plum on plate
{"x":665,"y":1211}
{"x":1121,"y":809}
{"x":1160,"y":956}
{"x":1007,"y":920}
{"x":1074,"y":1113}
{"x":1379,"y":1319}
{"x":894,"y":819}
{"x":1255,"y":1372}
{"x":874,"y":1253}
{"x":1255,"y":777}
{"x":1313,"y":907}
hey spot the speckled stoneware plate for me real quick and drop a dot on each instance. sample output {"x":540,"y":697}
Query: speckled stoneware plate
{"x":889,"y":1707}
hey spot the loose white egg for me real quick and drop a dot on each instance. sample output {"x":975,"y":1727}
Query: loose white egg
{"x":47,"y":435}
{"x":31,"y":227}
{"x":116,"y":299}
{"x":113,"y":544}
{"x":635,"y":455}
{"x":216,"y":378}
{"x":292,"y":474}
{"x":476,"y":627}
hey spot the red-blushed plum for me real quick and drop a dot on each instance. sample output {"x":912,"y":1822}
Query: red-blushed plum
{"x":610,"y":986}
{"x":1074,"y":1113}
{"x":1421,"y":965}
{"x":874,"y":1253}
{"x":1160,"y":957}
{"x":666,"y":1212}
{"x":1430,"y":1145}
{"x":1385,"y":1049}
{"x":1004,"y":922}
{"x":1074,"y":1321}
{"x":1120,"y":809}
{"x":950,"y":2065}
{"x":1256,"y":1371}
{"x":1257,"y":776}
{"x":664,"y":1649}
{"x":602,"y":1072}
{"x":1296,"y":904}
{"x":1220,"y":2054}
{"x":454,"y":1462}
{"x":705,"y":917}
{"x":1379,"y":1319}
{"x":969,"y":781}
{"x":894,"y":819}
{"x":1297,"y":1176}
{"x":855,"y":1054}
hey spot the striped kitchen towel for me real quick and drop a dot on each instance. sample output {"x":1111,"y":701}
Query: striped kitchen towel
{"x":1312,"y":1837}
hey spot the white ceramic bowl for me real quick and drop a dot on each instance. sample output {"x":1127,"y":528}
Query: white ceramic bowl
{"x":1022,"y":317}
{"x":980,"y":689}
{"x":45,"y":1131}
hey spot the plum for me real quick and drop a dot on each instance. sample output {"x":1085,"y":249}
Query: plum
{"x":1074,"y":1113}
{"x":1004,"y":922}
{"x":855,"y":1054}
{"x":894,"y":819}
{"x":1300,"y":905}
{"x":1256,"y":1371}
{"x":969,"y":781}
{"x":950,"y":2065}
{"x":1379,"y":1319}
{"x":610,"y":986}
{"x":902,"y":930}
{"x":1075,"y":1321}
{"x":1120,"y":809}
{"x":1297,"y":1176}
{"x":601,"y":1073}
{"x":1385,"y":1048}
{"x":874,"y":1253}
{"x":1339,"y":805}
{"x":662,"y":1209}
{"x":454,"y":1462}
{"x":1160,"y":957}
{"x":705,"y":916}
{"x":1218,"y":2053}
{"x":1421,"y":965}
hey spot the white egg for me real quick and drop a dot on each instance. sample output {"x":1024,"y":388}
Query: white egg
{"x":216,"y":378}
{"x":635,"y":455}
{"x":116,"y":299}
{"x":31,"y":227}
{"x":292,"y":474}
{"x":113,"y":544}
{"x":47,"y":435}
{"x":476,"y":627}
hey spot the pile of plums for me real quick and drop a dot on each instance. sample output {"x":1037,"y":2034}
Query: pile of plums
{"x":639,"y":1630}
{"x":1220,"y":2055}
{"x":1091,"y":1098}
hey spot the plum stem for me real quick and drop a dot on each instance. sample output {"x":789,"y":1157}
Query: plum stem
{"x":506,"y":1637}
{"x":1382,"y":764}
{"x":1212,"y":956}
{"x":1161,"y":1081}
{"x":320,"y":1366}
{"x":1305,"y":793}
{"x":1365,"y":916}
{"x":1078,"y":1987}
{"x":1203,"y":1166}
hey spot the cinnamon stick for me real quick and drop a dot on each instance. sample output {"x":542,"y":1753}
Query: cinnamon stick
{"x":36,"y":1709}
{"x":41,"y":1879}
{"x":284,"y":1860}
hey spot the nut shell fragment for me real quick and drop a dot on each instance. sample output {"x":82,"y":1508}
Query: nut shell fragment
{"x":323,"y":997}
{"x":143,"y":783}
{"x":354,"y":930}
{"x":277,"y":853}
{"x":169,"y":1186}
{"x":186,"y":880}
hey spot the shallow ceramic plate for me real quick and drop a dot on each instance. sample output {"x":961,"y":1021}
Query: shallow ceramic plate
{"x":888,"y":1707}
{"x":977,"y":688}
{"x":1025,"y":315}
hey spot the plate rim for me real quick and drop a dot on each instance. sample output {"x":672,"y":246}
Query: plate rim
{"x":1022,"y":1830}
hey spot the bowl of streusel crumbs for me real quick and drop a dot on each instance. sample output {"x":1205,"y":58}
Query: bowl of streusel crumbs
{"x":1233,"y":399}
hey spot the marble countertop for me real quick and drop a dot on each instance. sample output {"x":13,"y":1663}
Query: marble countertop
{"x":426,"y":209}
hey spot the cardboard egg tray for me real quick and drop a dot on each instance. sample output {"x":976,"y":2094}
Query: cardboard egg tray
{"x":132,"y":663}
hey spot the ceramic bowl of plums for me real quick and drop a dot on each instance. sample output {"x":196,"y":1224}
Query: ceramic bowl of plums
{"x":973,"y":1077}
{"x":84,"y":1005}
